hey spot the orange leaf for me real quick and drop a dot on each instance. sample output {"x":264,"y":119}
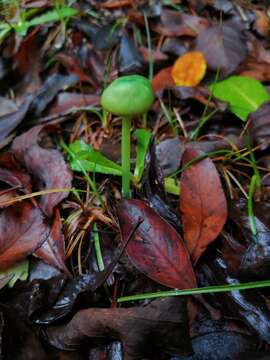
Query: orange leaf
{"x":189,"y":69}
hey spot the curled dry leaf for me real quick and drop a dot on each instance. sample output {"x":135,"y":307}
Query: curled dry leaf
{"x":22,"y":231}
{"x":145,"y":332}
{"x":47,"y":165}
{"x":156,"y":250}
{"x":202,"y":203}
{"x":189,"y":69}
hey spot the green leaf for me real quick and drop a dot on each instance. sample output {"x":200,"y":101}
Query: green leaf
{"x":91,"y":160}
{"x":244,"y":94}
{"x":17,"y":272}
{"x":52,"y":16}
{"x":143,"y":138}
{"x":172,"y":186}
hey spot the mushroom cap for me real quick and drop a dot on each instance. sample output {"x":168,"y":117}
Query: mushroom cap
{"x":128,"y":96}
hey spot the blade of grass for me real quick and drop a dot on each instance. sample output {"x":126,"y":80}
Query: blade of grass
{"x":194,"y":291}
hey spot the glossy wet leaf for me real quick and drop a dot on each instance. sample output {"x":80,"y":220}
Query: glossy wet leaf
{"x":202,"y":204}
{"x":189,"y":69}
{"x":143,"y":139}
{"x":157,"y":249}
{"x":248,"y":306}
{"x":87,"y":158}
{"x":244,"y":94}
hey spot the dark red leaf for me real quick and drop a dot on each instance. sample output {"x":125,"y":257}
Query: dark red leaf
{"x":157,"y":250}
{"x":52,"y":251}
{"x":47,"y":165}
{"x":202,"y":203}
{"x":22,"y":231}
{"x":11,"y":173}
{"x":224,"y":47}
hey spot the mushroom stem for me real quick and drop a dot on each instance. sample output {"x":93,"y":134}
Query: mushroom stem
{"x":125,"y":153}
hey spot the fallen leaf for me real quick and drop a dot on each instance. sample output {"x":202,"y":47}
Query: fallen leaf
{"x":68,"y":101}
{"x":47,"y":165}
{"x":224,"y":47}
{"x":243,"y":94}
{"x":259,"y":125}
{"x":22,"y":231}
{"x":202,"y":204}
{"x":9,"y":122}
{"x":12,"y":173}
{"x":189,"y":69}
{"x":156,"y":249}
{"x":115,"y":4}
{"x":176,"y":23}
{"x":52,"y":251}
{"x":163,"y":79}
{"x":145,"y":332}
{"x":262,"y":23}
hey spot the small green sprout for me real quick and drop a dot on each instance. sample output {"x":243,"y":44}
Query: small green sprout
{"x":127,"y":96}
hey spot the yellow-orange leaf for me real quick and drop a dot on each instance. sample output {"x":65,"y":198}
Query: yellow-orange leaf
{"x":189,"y":69}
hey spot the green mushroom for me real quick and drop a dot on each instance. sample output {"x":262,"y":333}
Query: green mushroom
{"x":127,"y":96}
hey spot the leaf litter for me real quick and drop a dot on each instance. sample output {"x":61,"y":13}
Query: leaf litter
{"x":199,"y":177}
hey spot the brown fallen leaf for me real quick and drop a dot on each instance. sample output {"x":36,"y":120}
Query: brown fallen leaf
{"x":156,"y":250}
{"x":176,"y":23}
{"x":47,"y":165}
{"x":163,"y":79}
{"x":202,"y":203}
{"x":12,"y":173}
{"x":224,"y":47}
{"x":22,"y":231}
{"x":145,"y":332}
{"x":52,"y":251}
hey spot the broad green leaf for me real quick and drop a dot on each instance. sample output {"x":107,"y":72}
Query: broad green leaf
{"x":244,"y":94}
{"x":92,"y":160}
{"x":17,"y":272}
{"x":143,"y":138}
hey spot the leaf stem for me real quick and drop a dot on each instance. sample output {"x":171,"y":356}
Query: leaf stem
{"x":125,"y":154}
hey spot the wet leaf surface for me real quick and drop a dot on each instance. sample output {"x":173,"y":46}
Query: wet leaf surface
{"x":202,"y":204}
{"x":138,"y":328}
{"x":156,"y":250}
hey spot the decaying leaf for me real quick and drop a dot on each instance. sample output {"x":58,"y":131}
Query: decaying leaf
{"x":22,"y":231}
{"x":145,"y":332}
{"x":224,"y":47}
{"x":189,"y":69}
{"x":202,"y":204}
{"x":47,"y":165}
{"x":157,"y":250}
